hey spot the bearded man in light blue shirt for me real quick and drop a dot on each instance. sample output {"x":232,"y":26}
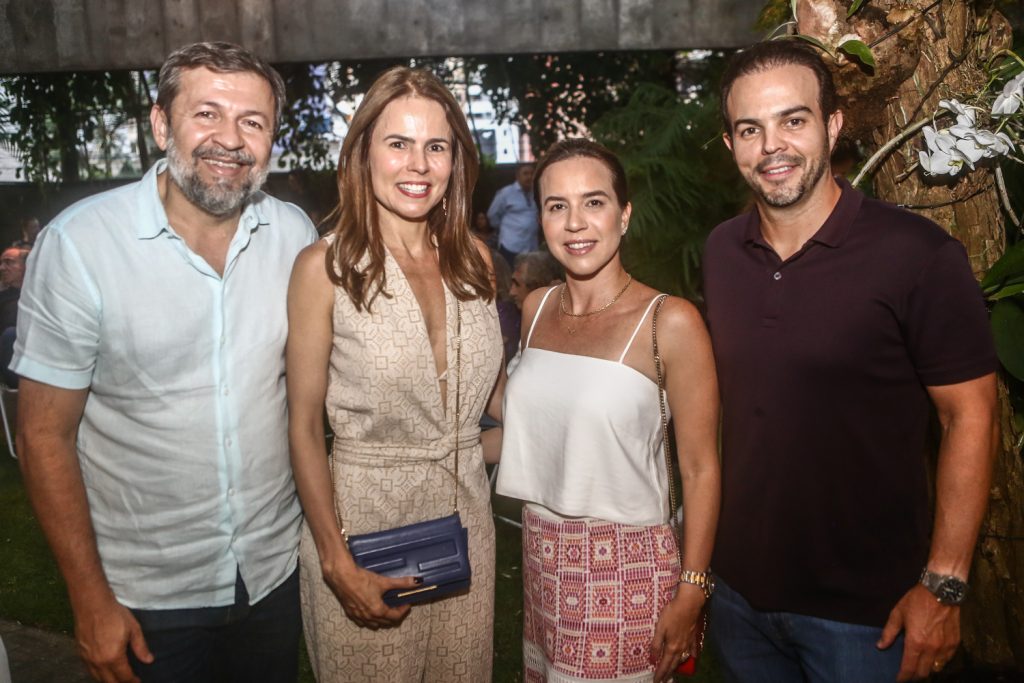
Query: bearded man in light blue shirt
{"x":153,"y":422}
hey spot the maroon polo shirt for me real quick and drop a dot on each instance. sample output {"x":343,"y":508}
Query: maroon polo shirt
{"x":823,"y":363}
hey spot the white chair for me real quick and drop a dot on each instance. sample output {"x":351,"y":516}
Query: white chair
{"x":5,"y":671}
{"x":9,"y":412}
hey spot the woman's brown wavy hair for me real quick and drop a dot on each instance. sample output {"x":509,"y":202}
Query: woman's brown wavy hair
{"x":357,"y":229}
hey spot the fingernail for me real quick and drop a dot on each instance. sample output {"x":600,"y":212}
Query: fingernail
{"x":418,"y":580}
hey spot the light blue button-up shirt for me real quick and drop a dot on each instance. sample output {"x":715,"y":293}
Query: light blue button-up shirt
{"x":183,"y":445}
{"x":514,"y":213}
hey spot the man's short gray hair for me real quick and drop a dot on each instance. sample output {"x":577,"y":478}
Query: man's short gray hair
{"x":222,"y":58}
{"x":539,"y":269}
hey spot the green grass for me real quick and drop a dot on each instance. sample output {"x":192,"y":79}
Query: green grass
{"x":32,"y":591}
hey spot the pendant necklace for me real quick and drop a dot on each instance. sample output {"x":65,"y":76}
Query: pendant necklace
{"x":570,"y":327}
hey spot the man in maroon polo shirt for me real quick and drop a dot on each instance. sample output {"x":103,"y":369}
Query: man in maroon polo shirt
{"x":837,"y":320}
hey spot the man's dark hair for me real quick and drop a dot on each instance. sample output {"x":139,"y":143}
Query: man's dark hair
{"x":575,"y":148}
{"x":219,"y":57}
{"x":772,"y":54}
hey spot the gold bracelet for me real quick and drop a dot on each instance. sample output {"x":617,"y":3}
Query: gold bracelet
{"x":704,"y":580}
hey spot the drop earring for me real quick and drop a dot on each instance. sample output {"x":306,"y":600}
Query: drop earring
{"x":444,"y":205}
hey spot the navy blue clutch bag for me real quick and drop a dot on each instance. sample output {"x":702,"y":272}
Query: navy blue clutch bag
{"x":436,"y":550}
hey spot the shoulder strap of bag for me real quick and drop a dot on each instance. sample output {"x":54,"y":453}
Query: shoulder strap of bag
{"x":673,"y":495}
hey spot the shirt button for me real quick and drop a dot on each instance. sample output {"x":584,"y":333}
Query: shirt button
{"x":777,"y":276}
{"x":222,"y":340}
{"x":231,"y":492}
{"x":225,"y":391}
{"x":227,"y":442}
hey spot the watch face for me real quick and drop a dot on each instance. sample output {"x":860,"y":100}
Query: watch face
{"x":951,"y":591}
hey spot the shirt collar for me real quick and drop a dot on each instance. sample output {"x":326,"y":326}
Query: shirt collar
{"x":153,"y":218}
{"x":833,"y":231}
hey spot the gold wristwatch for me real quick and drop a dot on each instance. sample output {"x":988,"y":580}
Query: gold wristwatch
{"x":703,"y":580}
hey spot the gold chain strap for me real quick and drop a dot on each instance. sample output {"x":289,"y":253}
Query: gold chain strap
{"x":458,"y":411}
{"x":673,"y":496}
{"x":458,"y":393}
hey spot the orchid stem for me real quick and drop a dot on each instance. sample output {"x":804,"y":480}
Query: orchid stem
{"x":884,"y":150}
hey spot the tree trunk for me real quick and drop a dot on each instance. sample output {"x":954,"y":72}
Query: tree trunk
{"x":938,"y":54}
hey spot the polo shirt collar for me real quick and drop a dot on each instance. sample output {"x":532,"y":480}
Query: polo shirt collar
{"x":153,"y":218}
{"x":833,"y":231}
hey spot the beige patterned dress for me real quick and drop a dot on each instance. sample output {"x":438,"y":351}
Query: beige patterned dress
{"x":394,"y":465}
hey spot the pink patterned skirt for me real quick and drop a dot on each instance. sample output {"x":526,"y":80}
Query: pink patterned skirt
{"x":593,"y":591}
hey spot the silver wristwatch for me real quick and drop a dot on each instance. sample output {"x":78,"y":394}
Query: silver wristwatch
{"x":949,"y":590}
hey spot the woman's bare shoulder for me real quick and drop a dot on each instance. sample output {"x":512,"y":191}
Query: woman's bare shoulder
{"x":678,"y":316}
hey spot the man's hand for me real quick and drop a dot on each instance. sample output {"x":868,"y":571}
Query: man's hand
{"x":932,"y":633}
{"x":104,"y":635}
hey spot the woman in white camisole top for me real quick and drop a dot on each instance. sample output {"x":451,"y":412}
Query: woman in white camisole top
{"x":604,"y":598}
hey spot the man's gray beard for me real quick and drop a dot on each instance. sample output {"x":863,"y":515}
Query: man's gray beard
{"x":217,"y":198}
{"x":783,"y":197}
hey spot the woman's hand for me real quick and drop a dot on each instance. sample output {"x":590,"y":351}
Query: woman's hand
{"x":675,"y":635}
{"x":360,"y":593}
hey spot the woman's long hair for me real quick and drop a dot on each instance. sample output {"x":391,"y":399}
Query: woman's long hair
{"x":357,"y":227}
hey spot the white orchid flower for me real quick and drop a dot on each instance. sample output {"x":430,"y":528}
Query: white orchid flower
{"x":1008,"y":102}
{"x":939,"y":140}
{"x":991,"y":144}
{"x":941,"y":163}
{"x":965,"y":115}
{"x":970,"y":151}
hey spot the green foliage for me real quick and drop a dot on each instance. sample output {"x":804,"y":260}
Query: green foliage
{"x":561,"y":95}
{"x":1008,"y":330}
{"x":1004,"y":285}
{"x":859,"y":51}
{"x":681,"y":179}
{"x":49,"y":118}
{"x":774,"y":14}
{"x":856,"y":5}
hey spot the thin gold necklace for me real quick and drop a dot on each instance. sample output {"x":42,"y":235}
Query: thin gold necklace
{"x":587,"y":314}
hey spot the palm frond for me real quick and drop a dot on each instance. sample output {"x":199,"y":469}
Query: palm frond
{"x":680,"y":190}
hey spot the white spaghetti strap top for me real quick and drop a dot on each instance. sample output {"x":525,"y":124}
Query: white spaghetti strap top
{"x":583,"y":436}
{"x":533,"y":323}
{"x":639,"y":325}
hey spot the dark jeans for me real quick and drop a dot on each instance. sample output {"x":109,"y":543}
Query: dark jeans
{"x":779,"y":647}
{"x":509,"y":256}
{"x":238,"y":643}
{"x":6,"y":354}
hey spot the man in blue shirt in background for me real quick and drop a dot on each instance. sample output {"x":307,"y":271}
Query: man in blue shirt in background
{"x":514,"y":213}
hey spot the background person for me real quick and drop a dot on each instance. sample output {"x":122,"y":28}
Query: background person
{"x":509,"y":315}
{"x":513,"y":212}
{"x":30,"y":228}
{"x":152,"y":428}
{"x":836,"y":320}
{"x":12,"y":275}
{"x":483,"y":231}
{"x":374,"y":327}
{"x":533,"y":270}
{"x":583,"y":446}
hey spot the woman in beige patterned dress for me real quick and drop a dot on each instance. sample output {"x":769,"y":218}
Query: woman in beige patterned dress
{"x":373,"y":317}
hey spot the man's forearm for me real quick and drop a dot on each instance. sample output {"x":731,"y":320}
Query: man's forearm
{"x":963,"y":477}
{"x":48,"y":419}
{"x":54,"y":484}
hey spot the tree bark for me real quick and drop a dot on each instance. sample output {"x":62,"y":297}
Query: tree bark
{"x":926,"y":51}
